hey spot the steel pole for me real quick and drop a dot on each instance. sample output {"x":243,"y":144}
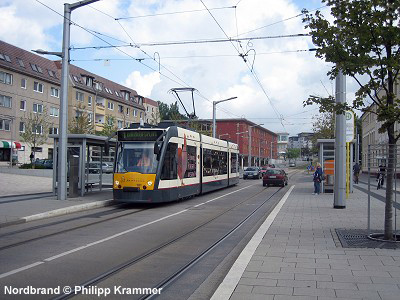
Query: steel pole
{"x":214,"y":113}
{"x":214,"y":118}
{"x":340,"y":146}
{"x":249,"y":157}
{"x":62,"y":143}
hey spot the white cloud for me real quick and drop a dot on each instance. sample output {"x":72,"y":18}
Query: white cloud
{"x":287,"y":78}
{"x":143,"y":84}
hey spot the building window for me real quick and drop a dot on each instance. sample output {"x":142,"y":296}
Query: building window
{"x":89,"y":100}
{"x":53,"y":130}
{"x":54,"y":111}
{"x":38,"y":87}
{"x":90,"y":117}
{"x":37,"y":108}
{"x":21,"y":63}
{"x":55,"y":92}
{"x":5,"y":124}
{"x":120,"y":124}
{"x":38,"y":129}
{"x":135,"y":113}
{"x":22,"y":105}
{"x":78,"y":114}
{"x":141,"y":114}
{"x":52,"y":74}
{"x":79,"y":96}
{"x":36,"y":68}
{"x":21,"y":127}
{"x":120,"y":109}
{"x":110,"y":105}
{"x":147,"y":108}
{"x":5,"y":101}
{"x":128,"y":111}
{"x":23,"y":83}
{"x":5,"y":78}
{"x":110,"y":121}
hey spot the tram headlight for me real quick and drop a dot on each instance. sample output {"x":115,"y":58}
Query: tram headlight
{"x":149,"y":183}
{"x":116,"y":182}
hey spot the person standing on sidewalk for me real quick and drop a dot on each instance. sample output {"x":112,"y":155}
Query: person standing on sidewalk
{"x":317,"y":178}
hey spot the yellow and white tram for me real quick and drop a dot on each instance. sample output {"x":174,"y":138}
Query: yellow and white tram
{"x":166,"y":164}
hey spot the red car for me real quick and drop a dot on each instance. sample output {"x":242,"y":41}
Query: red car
{"x":275,"y":177}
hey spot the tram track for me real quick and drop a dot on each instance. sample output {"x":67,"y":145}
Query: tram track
{"x":13,"y":233}
{"x":167,"y":281}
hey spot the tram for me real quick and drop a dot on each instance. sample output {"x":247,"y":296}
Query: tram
{"x":154,"y":165}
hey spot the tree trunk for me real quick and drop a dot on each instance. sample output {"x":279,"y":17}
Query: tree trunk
{"x":391,"y":160}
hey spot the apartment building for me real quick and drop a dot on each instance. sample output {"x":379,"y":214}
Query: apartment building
{"x":152,"y":111}
{"x":283,"y":140}
{"x":372,"y":136}
{"x":30,"y":84}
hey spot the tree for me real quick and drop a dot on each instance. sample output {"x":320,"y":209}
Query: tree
{"x":109,"y":127}
{"x":81,"y":123}
{"x":323,"y":128}
{"x":170,"y":112}
{"x":292,"y":153}
{"x":363,"y":43}
{"x":36,"y":128}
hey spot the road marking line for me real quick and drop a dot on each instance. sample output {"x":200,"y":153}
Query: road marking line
{"x":21,"y":269}
{"x":108,"y":238}
{"x":228,"y":285}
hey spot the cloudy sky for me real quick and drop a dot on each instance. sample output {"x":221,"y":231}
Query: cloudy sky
{"x":165,"y":44}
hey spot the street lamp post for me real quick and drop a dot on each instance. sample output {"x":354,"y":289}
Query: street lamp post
{"x":249,"y":158}
{"x":62,"y":140}
{"x":214,"y":113}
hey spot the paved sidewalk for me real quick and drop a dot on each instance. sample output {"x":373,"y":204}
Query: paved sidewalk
{"x":16,"y":211}
{"x":300,"y":256}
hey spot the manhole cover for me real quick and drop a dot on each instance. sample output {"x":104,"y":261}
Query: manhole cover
{"x":357,"y":238}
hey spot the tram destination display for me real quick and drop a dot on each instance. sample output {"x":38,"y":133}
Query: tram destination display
{"x":138,"y":135}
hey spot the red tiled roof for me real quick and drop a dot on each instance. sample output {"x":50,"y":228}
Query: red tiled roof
{"x":28,"y":58}
{"x":45,"y":65}
{"x":150,"y":102}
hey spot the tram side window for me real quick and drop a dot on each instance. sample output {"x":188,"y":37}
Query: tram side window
{"x":207,"y":162}
{"x":234,"y":161}
{"x":223,"y":163}
{"x":215,"y":162}
{"x":169,"y":169}
{"x":191,"y":162}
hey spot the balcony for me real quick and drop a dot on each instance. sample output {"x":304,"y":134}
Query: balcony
{"x":99,"y":126}
{"x":100,"y":109}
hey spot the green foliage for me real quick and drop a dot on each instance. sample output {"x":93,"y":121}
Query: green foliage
{"x":362,"y":42}
{"x":109,"y":127}
{"x":33,"y":122}
{"x":170,"y":112}
{"x":292,"y":153}
{"x":30,"y":166}
{"x":323,"y":128}
{"x":81,"y":124}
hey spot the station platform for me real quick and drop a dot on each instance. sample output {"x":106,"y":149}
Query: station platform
{"x":298,"y":254}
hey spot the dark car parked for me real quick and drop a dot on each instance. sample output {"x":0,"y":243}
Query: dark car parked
{"x":275,"y":177}
{"x":252,"y":172}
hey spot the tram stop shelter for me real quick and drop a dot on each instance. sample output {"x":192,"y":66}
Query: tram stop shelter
{"x":87,"y":165}
{"x":326,"y":157}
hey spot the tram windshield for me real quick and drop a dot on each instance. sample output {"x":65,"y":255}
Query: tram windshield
{"x":136,"y":157}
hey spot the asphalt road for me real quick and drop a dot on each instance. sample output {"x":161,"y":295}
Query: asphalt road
{"x":76,"y":249}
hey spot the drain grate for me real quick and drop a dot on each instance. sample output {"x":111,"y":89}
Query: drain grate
{"x":357,"y":238}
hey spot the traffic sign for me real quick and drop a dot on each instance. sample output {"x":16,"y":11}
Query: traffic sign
{"x":349,"y":126}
